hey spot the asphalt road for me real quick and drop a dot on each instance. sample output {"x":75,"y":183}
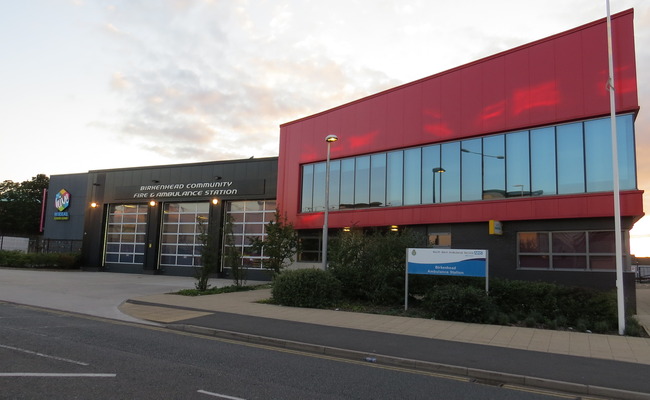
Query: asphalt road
{"x":48,"y":354}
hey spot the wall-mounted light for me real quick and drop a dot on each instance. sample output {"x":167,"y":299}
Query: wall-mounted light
{"x":152,"y":203}
{"x":394,"y":228}
{"x":215,"y":201}
{"x":346,"y":229}
{"x":155,"y":181}
{"x":217,"y":178}
{"x":93,"y":204}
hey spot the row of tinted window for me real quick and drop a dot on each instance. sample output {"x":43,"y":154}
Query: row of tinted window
{"x":562,"y":159}
{"x":576,"y":250}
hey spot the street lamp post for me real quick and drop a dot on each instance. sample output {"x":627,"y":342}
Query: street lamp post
{"x":329,"y":139}
{"x":435,"y":171}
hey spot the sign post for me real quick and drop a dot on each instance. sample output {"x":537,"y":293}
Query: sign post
{"x":449,"y":262}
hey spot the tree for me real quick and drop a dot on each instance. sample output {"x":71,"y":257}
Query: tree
{"x":232,"y":254}
{"x":279,"y":245}
{"x":21,"y":205}
{"x":209,"y":256}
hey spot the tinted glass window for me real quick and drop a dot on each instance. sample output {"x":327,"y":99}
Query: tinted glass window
{"x":533,"y":242}
{"x":307,"y":187}
{"x":362,"y":182}
{"x":347,"y":183}
{"x":626,"y":156}
{"x":517,"y":164}
{"x":412,"y":168}
{"x":542,"y":162}
{"x":430,"y":161}
{"x":598,"y":155}
{"x":319,"y":187}
{"x":450,"y":179}
{"x":569,"y":242}
{"x":378,"y":180}
{"x":570,"y":159}
{"x":394,"y":180}
{"x":472,"y":170}
{"x":494,"y":167}
{"x":335,"y":183}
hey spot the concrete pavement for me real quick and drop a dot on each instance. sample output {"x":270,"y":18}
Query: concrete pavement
{"x":165,"y":308}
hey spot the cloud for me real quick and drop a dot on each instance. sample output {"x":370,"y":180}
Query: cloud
{"x":205,"y":95}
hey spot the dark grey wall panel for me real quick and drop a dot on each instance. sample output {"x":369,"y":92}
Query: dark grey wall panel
{"x":71,"y":229}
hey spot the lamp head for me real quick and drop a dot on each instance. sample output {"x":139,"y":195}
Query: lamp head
{"x":331,"y":138}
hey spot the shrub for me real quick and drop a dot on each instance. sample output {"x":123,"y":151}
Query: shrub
{"x":280,"y":244}
{"x":559,"y":306}
{"x":460,"y":303}
{"x":520,"y":298}
{"x":313,"y":288}
{"x":17,"y":259}
{"x":633,"y":327}
{"x":371,"y":266}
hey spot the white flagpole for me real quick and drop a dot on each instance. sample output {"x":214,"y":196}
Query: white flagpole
{"x":620,"y":295}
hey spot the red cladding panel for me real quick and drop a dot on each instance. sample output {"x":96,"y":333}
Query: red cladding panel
{"x":471,"y":98}
{"x":451,"y":106}
{"x":492,"y":116}
{"x":532,"y":208}
{"x":434,"y":129}
{"x":545,"y":94}
{"x":554,"y":80}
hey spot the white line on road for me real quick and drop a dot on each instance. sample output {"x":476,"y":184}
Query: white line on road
{"x":223,"y":396}
{"x":44,"y":355}
{"x":55,"y":375}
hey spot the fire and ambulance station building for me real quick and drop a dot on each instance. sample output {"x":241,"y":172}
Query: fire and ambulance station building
{"x":150,"y":219}
{"x":510,"y":153}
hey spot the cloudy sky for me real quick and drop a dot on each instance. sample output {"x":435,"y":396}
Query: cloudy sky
{"x":93,"y":84}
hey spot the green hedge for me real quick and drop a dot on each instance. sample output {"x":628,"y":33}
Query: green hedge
{"x":18,"y":259}
{"x":371,"y":266}
{"x":460,"y":303}
{"x":531,"y":304}
{"x":311,"y":288}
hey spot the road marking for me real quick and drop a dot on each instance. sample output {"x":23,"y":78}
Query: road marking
{"x":54,"y":375}
{"x":289,"y":351}
{"x":223,"y":396}
{"x":547,"y":392}
{"x":43,"y":355}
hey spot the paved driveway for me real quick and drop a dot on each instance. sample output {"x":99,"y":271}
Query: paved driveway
{"x":93,"y":293}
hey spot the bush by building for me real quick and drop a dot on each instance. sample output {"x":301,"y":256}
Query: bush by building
{"x":371,"y":266}
{"x":313,"y":288}
{"x":18,"y":259}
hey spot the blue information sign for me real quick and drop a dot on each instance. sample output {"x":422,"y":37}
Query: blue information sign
{"x":450,"y":262}
{"x":447,"y":262}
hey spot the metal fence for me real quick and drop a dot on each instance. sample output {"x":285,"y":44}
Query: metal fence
{"x":40,"y":245}
{"x":14,"y":243}
{"x":643,"y":273}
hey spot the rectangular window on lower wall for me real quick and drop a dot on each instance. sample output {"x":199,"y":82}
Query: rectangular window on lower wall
{"x":567,"y":250}
{"x":310,"y":246}
{"x":125,"y":233}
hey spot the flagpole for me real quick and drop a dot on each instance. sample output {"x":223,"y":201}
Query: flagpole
{"x":620,"y":294}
